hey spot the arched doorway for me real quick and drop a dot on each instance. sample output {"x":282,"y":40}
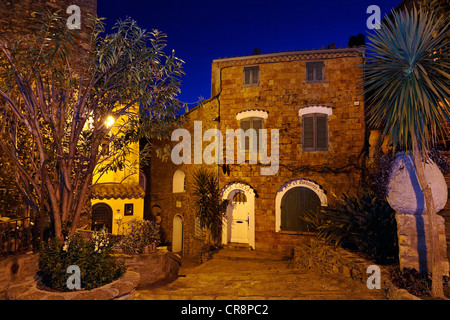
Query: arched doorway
{"x":295,"y":203}
{"x":293,"y":199}
{"x":239,"y":225}
{"x":177,"y":234}
{"x":102,"y":215}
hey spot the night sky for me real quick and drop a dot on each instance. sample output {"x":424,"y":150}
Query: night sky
{"x":200,"y":31}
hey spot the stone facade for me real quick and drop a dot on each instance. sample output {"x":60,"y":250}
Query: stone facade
{"x":14,"y":270}
{"x":281,"y":93}
{"x":17,"y":15}
{"x":414,"y":242}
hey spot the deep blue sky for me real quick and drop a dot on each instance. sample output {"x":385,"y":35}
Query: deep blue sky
{"x":200,"y":31}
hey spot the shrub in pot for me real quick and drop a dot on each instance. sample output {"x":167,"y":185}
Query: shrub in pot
{"x":94,"y":258}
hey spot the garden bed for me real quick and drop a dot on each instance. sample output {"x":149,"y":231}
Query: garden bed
{"x":120,"y":289}
{"x":19,"y":281}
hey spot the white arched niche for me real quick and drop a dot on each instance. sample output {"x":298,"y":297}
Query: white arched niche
{"x":178,"y":181}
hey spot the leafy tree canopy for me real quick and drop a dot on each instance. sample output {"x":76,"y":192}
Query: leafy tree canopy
{"x":58,"y":88}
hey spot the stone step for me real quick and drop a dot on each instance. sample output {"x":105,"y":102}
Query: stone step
{"x":246,"y":254}
{"x":238,"y":246}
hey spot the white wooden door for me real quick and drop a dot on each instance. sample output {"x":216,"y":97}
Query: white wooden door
{"x":239,"y":218}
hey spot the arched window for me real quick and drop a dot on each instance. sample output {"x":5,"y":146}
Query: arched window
{"x":239,"y":197}
{"x":179,"y":184}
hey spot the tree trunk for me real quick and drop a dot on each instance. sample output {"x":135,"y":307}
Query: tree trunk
{"x":437,"y":288}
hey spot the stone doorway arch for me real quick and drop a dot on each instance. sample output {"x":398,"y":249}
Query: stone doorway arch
{"x":240,"y":191}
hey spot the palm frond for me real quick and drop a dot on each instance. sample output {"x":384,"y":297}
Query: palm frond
{"x":407,"y":78}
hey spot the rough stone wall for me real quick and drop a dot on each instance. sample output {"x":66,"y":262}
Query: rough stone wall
{"x":319,"y":257}
{"x":17,"y":18}
{"x":414,"y":242}
{"x":161,"y":181}
{"x":13,"y":270}
{"x":17,"y":15}
{"x":283,"y":90}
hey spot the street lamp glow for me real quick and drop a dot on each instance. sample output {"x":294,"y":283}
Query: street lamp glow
{"x":109,"y":122}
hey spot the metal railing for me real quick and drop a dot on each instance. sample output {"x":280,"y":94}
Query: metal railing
{"x":15,"y":236}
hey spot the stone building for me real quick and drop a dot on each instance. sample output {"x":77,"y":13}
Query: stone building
{"x":311,"y":105}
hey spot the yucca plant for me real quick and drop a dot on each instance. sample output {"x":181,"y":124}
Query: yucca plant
{"x":364,"y":224}
{"x":210,"y":208}
{"x":407,"y":80}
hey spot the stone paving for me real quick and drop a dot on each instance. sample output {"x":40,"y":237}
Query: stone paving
{"x":254,"y":278}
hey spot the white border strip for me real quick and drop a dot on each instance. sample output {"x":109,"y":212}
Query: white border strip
{"x":315,"y":109}
{"x":252,"y":113}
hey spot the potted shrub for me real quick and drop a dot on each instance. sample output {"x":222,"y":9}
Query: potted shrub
{"x":93,"y":257}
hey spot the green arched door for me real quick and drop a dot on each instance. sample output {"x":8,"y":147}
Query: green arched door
{"x":294,"y":204}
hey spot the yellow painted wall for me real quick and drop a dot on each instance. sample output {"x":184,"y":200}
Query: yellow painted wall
{"x":131,"y":168}
{"x":129,"y":175}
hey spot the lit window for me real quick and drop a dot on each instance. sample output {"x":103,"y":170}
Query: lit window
{"x":128,"y":210}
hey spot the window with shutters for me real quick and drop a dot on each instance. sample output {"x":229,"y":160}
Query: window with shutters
{"x":251,"y":76}
{"x":247,"y":139}
{"x":315,"y":132}
{"x":295,"y":203}
{"x":315,"y":71}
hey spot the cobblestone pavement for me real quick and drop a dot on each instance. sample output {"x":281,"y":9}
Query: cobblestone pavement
{"x":256,"y":279}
